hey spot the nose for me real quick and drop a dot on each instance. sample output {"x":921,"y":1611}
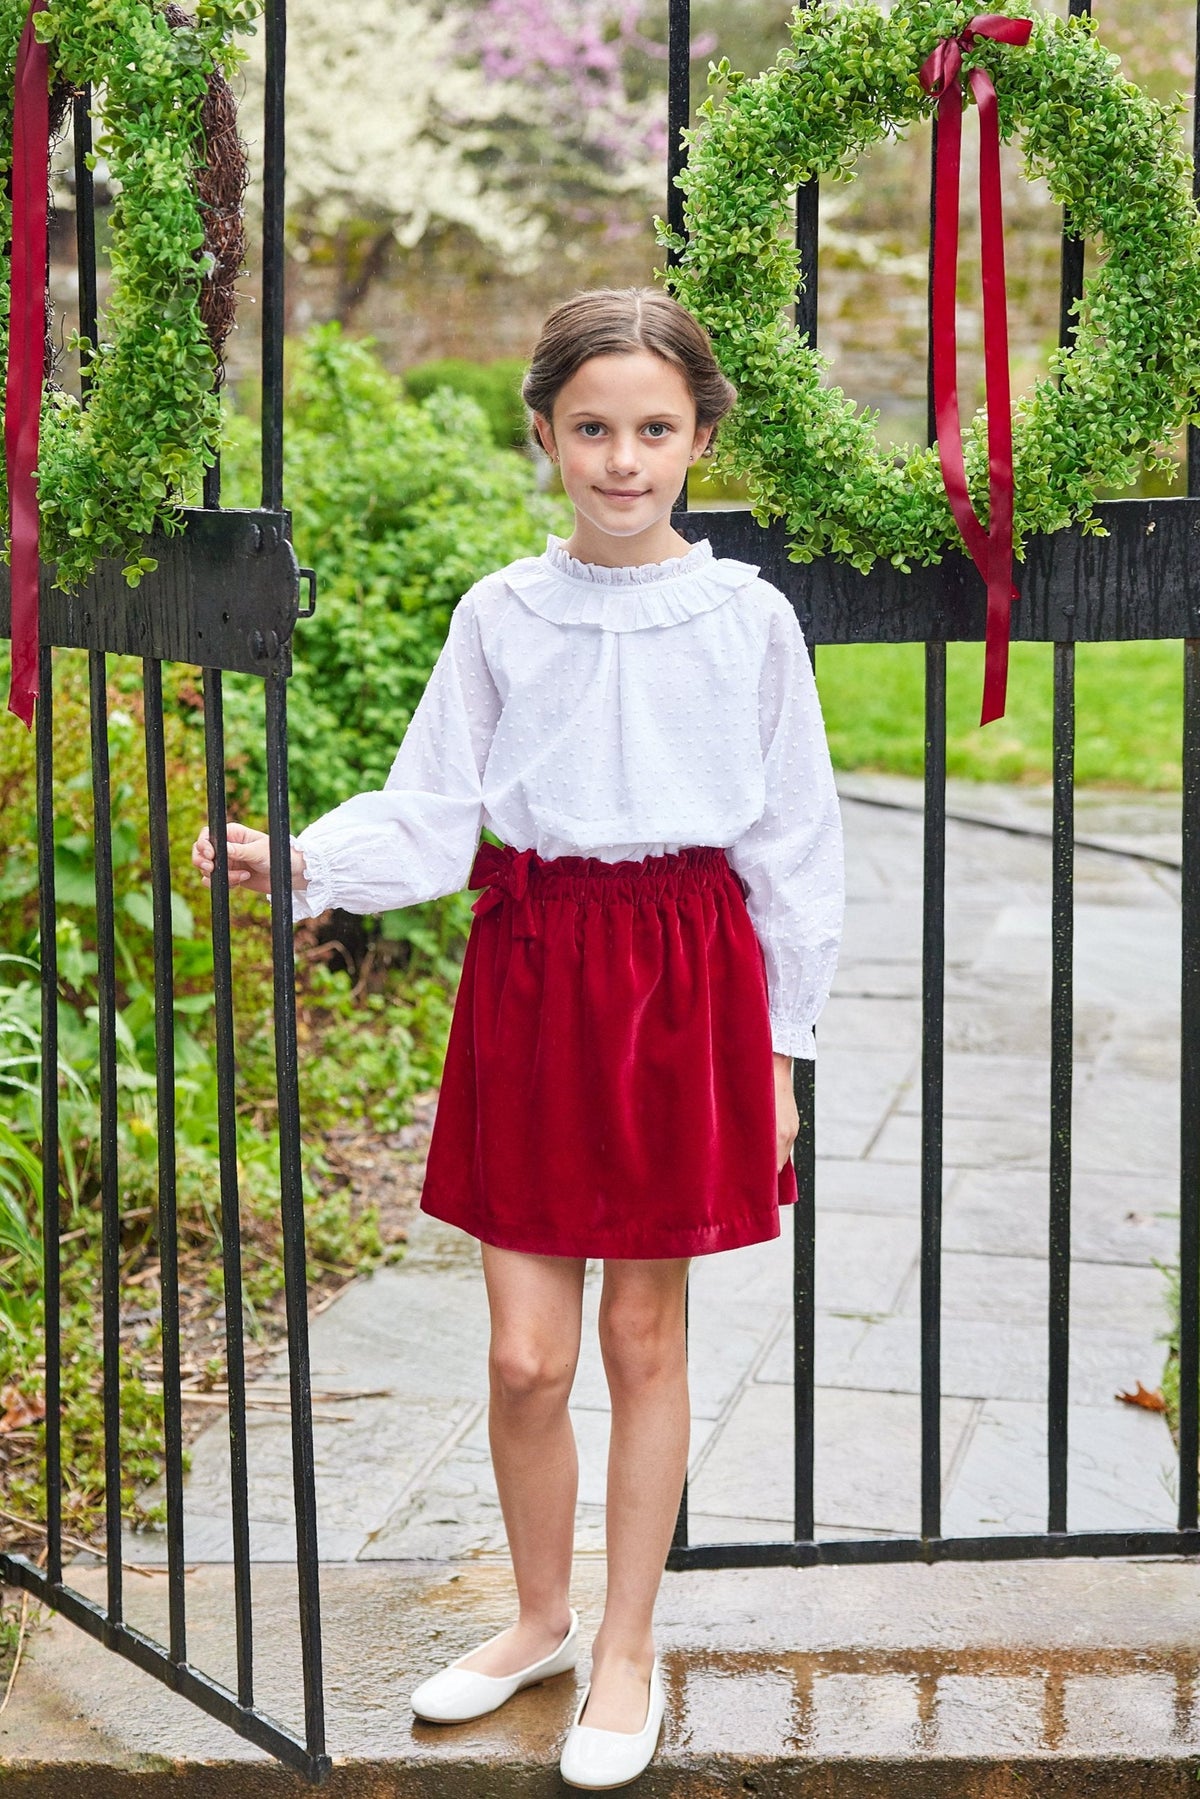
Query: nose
{"x":623,"y":456}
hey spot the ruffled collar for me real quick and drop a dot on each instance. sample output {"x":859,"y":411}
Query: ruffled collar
{"x":567,"y":592}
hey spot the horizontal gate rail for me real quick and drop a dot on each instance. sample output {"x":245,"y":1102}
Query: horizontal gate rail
{"x":224,"y":595}
{"x":1141,"y":581}
{"x":860,"y":1551}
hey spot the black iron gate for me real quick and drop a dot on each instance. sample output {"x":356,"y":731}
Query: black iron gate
{"x":1142,"y":581}
{"x":225,"y":597}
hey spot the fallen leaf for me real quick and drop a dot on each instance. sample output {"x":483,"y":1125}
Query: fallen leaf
{"x":1149,"y":1402}
{"x":19,"y":1411}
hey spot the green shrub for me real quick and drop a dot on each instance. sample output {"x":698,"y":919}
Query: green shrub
{"x":400,"y":507}
{"x":494,"y":386}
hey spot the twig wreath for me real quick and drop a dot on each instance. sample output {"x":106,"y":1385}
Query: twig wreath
{"x":110,"y":471}
{"x":1111,"y":156}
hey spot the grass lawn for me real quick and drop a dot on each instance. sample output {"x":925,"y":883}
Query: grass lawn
{"x":1128,"y":712}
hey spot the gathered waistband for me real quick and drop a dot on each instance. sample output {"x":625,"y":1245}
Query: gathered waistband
{"x":523,"y":876}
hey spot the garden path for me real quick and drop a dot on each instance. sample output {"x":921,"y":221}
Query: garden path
{"x":407,"y":1475}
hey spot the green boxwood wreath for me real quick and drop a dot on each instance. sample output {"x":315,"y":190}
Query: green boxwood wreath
{"x":1111,"y":156}
{"x":109,"y":472}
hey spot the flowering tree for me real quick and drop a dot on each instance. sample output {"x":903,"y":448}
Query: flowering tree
{"x":578,"y":117}
{"x":497,"y":116}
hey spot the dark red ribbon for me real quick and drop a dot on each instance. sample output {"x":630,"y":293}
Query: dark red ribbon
{"x":991,"y":550}
{"x":503,"y":873}
{"x":26,"y":355}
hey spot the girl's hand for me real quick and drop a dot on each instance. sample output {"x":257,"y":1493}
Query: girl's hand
{"x":249,"y":858}
{"x":787,"y":1119}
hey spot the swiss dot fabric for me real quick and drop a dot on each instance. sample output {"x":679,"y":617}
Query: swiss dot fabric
{"x":618,"y":713}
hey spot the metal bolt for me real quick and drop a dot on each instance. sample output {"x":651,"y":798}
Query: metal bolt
{"x":263,"y":644}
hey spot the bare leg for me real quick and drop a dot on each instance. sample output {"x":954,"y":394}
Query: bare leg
{"x":645,"y":1358}
{"x":536,"y":1304}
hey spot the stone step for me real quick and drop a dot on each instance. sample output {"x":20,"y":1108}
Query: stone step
{"x":1039,"y":1680}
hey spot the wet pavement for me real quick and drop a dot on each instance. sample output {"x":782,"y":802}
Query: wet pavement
{"x":901,"y":1682}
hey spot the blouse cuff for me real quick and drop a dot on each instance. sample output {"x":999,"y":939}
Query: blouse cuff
{"x":791,"y":1039}
{"x":317,"y":897}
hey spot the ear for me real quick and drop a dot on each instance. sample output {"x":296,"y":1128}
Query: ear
{"x":545,"y":431}
{"x":702,"y":440}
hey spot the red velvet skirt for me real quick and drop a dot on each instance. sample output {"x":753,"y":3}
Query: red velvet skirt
{"x":608,"y":1088}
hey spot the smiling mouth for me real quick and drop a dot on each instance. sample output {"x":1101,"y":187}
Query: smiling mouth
{"x":624,"y":493}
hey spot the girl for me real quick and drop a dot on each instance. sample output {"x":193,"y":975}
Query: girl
{"x":637,"y":721}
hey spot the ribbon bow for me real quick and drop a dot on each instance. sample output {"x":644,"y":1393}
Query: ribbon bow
{"x":26,"y":354}
{"x":990,"y":550}
{"x":503,"y":873}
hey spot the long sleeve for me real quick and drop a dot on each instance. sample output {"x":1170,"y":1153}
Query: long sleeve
{"x":791,"y":857}
{"x":416,"y":838}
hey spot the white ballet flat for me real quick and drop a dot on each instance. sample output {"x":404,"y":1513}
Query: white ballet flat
{"x":457,"y":1694}
{"x":596,"y":1759}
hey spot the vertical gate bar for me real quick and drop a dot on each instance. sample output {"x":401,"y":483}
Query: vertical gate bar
{"x":804,"y":1071}
{"x":1193,"y":432}
{"x":1189,"y":1021}
{"x":804,"y":1299}
{"x":1070,"y":285}
{"x":231,"y":1235}
{"x":273,"y":275}
{"x":679,"y":1536}
{"x":1071,"y":267}
{"x":679,"y":107}
{"x":1062,"y":930}
{"x":933,"y":976}
{"x":292,"y":1207}
{"x":1061,"y":1071}
{"x":164,"y":1072}
{"x":807,"y":202}
{"x":1189,"y":1097}
{"x":1061,"y":987}
{"x":211,"y":495}
{"x":85,"y":227}
{"x":48,"y":956}
{"x":110,"y":1215}
{"x":807,"y":211}
{"x":933,"y":980}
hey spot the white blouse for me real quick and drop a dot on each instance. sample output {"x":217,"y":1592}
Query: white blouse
{"x":617,"y":713}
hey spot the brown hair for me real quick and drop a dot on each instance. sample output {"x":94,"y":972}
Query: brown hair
{"x":607,"y":321}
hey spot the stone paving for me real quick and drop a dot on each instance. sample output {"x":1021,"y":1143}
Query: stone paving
{"x":407,"y":1475}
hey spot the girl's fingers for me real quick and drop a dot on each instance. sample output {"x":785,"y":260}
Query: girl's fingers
{"x":245,"y":859}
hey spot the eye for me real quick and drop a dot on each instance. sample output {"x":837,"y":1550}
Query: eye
{"x":658,"y":429}
{"x":590,"y":428}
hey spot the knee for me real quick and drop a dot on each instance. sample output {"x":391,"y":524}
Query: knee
{"x":524,"y":1372}
{"x":642,"y":1343}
